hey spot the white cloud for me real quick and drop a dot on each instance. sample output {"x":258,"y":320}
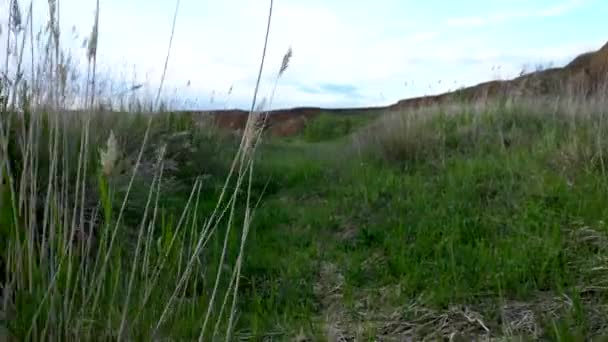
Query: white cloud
{"x":560,"y":9}
{"x":506,"y":16}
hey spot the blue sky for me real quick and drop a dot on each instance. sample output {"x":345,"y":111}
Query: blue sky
{"x":345,"y":52}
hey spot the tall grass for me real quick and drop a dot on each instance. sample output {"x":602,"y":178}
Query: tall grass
{"x":575,"y":123}
{"x":88,"y":250}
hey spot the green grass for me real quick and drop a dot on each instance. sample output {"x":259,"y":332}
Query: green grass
{"x":124,"y":268}
{"x":462,"y":221}
{"x":127,"y":225}
{"x":416,"y":225}
{"x":511,"y":234}
{"x":332,"y":126}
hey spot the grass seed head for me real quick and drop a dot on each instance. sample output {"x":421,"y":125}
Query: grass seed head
{"x":286,"y":60}
{"x":109,"y":157}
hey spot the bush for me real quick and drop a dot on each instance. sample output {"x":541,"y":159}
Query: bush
{"x":328,"y":127}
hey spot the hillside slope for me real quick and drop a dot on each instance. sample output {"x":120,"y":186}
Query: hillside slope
{"x":586,"y":75}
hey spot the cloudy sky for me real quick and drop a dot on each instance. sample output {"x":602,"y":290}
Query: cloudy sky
{"x":345,"y":52}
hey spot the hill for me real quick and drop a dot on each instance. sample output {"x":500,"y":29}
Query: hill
{"x":584,"y":75}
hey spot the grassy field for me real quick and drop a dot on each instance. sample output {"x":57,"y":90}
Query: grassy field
{"x":469,"y":222}
{"x":462,"y":221}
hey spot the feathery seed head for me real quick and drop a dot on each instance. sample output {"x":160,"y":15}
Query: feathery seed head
{"x":15,"y":18}
{"x":92,"y":46}
{"x":286,"y":59}
{"x":109,"y":157}
{"x":92,"y":43}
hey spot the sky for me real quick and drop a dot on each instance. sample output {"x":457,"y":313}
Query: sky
{"x":346,"y":53}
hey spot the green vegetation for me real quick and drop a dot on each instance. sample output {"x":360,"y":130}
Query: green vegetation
{"x":469,"y":221}
{"x":461,"y":221}
{"x":329,"y":126}
{"x":127,"y":225}
{"x":135,"y":246}
{"x":478,"y":222}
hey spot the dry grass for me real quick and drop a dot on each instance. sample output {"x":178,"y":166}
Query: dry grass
{"x":427,"y":132}
{"x":415,"y":321}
